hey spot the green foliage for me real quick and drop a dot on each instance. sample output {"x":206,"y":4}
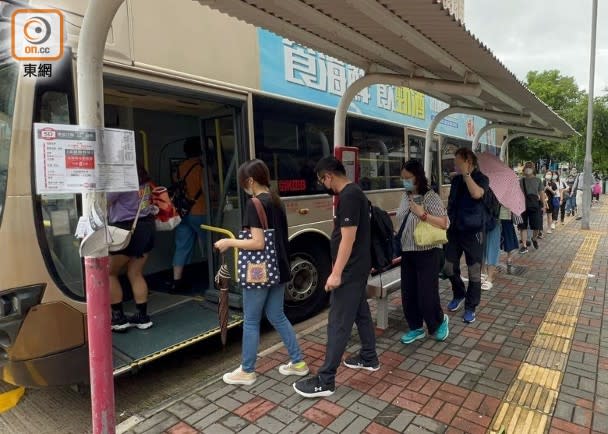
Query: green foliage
{"x":563,"y":95}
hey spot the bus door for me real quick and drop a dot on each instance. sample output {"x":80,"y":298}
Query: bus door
{"x":224,"y":150}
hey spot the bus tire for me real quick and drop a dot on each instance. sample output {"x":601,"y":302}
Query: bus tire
{"x":305,"y":292}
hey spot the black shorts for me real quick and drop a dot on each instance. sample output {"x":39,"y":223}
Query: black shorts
{"x":533,"y":218}
{"x":142,"y":240}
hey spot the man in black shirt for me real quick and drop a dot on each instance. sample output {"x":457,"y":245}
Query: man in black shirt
{"x":350,"y":251}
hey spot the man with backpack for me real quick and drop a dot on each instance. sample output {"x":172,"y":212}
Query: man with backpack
{"x":468,"y":218}
{"x":188,"y":198}
{"x":350,"y":252}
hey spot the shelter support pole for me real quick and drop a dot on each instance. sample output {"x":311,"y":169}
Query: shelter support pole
{"x":488,"y":114}
{"x":96,"y":24}
{"x":588,"y":165}
{"x":517,"y":134}
{"x":420,"y":84}
{"x":476,"y":147}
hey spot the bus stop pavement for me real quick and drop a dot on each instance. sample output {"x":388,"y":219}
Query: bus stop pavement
{"x":535,"y":361}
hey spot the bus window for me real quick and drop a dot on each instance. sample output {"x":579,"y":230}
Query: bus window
{"x":381,"y":153}
{"x":291,"y":144}
{"x":59,"y":212}
{"x":8,"y":85}
{"x":416,"y":151}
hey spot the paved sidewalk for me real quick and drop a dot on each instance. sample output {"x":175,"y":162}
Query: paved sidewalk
{"x":536,"y":360}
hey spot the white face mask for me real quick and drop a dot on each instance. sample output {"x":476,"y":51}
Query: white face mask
{"x":528,"y":171}
{"x":248,"y":191}
{"x":547,"y":177}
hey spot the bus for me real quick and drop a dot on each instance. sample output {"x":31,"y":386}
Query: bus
{"x":207,"y":90}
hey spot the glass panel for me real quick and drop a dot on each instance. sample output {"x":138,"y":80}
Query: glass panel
{"x":380,"y":158}
{"x":8,"y":86}
{"x":291,"y":149}
{"x":60,"y":211}
{"x":222,"y":161}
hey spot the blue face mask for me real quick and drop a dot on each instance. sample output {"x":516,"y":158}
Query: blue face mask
{"x":408,"y":185}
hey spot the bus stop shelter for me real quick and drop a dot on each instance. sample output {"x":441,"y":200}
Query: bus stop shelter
{"x":416,"y":44}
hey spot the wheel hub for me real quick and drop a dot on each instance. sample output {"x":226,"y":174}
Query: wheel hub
{"x":304,"y":279}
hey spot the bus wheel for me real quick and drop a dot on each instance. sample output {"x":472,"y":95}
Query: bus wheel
{"x":304,"y":293}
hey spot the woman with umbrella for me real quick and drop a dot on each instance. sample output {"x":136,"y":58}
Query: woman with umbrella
{"x":254,"y":179}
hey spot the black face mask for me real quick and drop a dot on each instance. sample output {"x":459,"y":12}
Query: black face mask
{"x":329,"y":191}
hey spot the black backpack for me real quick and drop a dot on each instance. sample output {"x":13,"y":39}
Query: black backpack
{"x":492,"y":210}
{"x":382,"y":234}
{"x":179,"y":195}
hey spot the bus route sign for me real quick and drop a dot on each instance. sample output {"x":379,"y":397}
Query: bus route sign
{"x":72,"y":159}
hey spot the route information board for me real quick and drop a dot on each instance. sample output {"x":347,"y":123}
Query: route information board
{"x":72,"y":159}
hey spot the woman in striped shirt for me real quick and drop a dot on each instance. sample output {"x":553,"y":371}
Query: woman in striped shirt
{"x":420,"y":264}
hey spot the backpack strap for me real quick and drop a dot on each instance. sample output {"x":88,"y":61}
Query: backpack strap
{"x":200,"y":190}
{"x":261,"y":212}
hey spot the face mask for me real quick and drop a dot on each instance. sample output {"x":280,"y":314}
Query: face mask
{"x":329,"y":191}
{"x":528,"y":171}
{"x":554,"y":177}
{"x":248,"y":191}
{"x":548,"y":177}
{"x":408,"y":185}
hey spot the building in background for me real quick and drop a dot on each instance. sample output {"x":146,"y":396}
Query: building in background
{"x":456,"y":7}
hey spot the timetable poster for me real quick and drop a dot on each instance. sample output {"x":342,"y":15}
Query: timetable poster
{"x":72,"y":159}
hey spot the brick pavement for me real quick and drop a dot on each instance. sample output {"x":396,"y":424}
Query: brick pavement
{"x":487,"y":375}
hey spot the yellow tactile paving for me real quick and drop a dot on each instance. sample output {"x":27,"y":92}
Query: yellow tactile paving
{"x":531,"y":397}
{"x":553,"y":343}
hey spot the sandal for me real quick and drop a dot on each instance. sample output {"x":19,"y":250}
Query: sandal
{"x":487,"y":285}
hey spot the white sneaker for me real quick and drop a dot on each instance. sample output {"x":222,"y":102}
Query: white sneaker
{"x":553,"y":225}
{"x":300,"y":369}
{"x":238,"y":376}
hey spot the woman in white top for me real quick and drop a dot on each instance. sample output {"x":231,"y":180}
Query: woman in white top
{"x":420,"y":264}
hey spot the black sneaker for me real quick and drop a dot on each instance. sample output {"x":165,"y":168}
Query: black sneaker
{"x":535,"y":244}
{"x":523,"y":250}
{"x":540,"y":237}
{"x":140,"y":321}
{"x":120,"y":323}
{"x":312,"y":387}
{"x":528,"y":243}
{"x":356,"y":362}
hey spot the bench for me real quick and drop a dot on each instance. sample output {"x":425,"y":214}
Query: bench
{"x":379,"y":286}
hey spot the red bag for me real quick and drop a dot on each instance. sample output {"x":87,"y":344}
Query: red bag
{"x":167,"y":217}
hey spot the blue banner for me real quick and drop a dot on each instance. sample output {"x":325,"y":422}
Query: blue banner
{"x":292,"y":70}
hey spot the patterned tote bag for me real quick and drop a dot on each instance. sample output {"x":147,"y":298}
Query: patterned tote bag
{"x":259,"y":268}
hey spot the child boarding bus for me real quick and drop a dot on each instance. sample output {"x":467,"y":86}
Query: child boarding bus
{"x":208,"y":89}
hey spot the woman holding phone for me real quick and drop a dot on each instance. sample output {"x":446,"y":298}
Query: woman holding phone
{"x":420,"y":264}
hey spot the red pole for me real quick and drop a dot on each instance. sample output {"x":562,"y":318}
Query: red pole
{"x":100,"y":344}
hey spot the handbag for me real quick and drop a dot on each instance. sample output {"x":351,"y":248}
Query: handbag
{"x":120,"y":238}
{"x":259,"y":269}
{"x":167,"y":217}
{"x":426,"y":234}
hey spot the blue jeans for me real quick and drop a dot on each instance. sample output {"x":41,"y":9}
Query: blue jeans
{"x":270,"y":301}
{"x":186,"y":234}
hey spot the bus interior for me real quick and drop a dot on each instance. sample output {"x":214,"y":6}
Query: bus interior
{"x":162,"y":120}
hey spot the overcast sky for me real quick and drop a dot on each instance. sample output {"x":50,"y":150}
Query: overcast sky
{"x":543,"y":34}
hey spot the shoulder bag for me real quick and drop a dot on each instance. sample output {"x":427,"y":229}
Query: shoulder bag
{"x":120,"y":238}
{"x":425,"y":234}
{"x":258,"y":269}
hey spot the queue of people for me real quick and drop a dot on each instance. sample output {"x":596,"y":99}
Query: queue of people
{"x":465,"y":227}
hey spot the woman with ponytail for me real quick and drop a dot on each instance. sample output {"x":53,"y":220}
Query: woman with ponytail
{"x":254,"y":179}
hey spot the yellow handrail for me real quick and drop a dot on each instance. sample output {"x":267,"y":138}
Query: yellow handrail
{"x":144,"y":141}
{"x":229,"y":234}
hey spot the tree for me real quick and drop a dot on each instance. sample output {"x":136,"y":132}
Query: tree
{"x":562,"y":94}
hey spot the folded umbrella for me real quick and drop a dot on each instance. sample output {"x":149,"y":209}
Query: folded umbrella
{"x":504,"y":182}
{"x":222,"y":282}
